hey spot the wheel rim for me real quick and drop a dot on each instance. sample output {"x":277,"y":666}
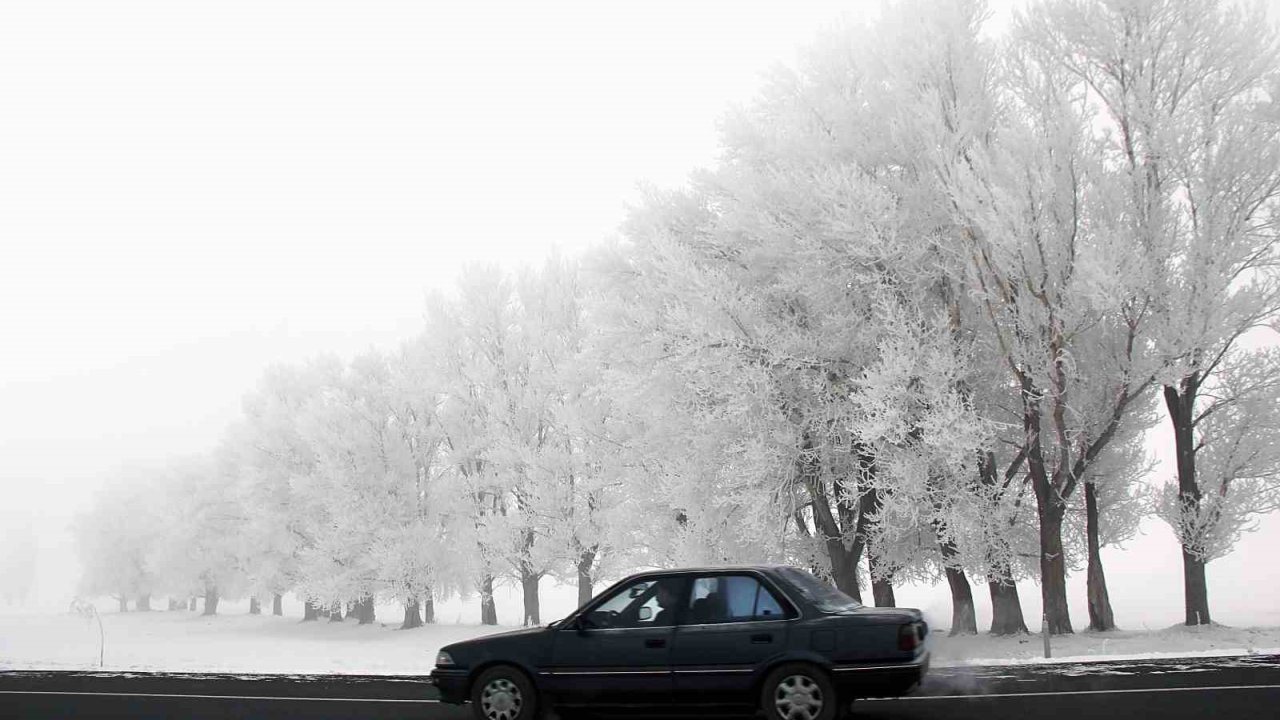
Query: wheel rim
{"x":501,"y":700}
{"x":798,"y":697}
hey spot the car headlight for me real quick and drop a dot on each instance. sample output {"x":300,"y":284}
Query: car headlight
{"x":443,"y":658}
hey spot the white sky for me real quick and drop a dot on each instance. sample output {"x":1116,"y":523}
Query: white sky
{"x":192,"y":191}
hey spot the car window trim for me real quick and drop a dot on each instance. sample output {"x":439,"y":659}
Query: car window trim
{"x":688,"y":577}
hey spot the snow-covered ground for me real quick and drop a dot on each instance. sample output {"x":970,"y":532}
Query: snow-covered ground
{"x":239,"y":643}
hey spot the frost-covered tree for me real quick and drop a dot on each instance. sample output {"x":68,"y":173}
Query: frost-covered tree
{"x":418,"y":565}
{"x":1226,"y":420}
{"x":275,"y":461}
{"x":368,"y":482}
{"x":1066,"y":305}
{"x":582,"y":457}
{"x":781,"y":293}
{"x":202,"y":548}
{"x":495,"y":417}
{"x":1186,"y":97}
{"x":117,"y":538}
{"x":461,"y":416}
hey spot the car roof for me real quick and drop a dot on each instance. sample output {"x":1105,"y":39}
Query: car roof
{"x":710,"y":569}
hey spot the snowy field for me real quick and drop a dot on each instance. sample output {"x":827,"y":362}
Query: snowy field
{"x":239,"y":643}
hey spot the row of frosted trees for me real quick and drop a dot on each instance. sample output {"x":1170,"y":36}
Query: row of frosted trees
{"x":917,"y":324}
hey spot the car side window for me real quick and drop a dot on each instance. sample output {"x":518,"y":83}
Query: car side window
{"x":731,"y":598}
{"x":646,"y":603}
{"x":767,"y":606}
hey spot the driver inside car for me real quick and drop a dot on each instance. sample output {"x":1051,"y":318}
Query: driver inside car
{"x":667,"y":600}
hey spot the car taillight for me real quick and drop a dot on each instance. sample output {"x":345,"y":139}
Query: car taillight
{"x":908,"y":637}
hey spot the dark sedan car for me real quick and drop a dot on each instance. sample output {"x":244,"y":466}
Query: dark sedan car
{"x":769,"y":637}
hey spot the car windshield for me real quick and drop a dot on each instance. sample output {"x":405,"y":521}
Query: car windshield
{"x":823,"y":596}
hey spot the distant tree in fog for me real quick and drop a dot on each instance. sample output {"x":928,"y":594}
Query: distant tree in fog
{"x":118,"y":536}
{"x":18,"y":554}
{"x":201,"y":549}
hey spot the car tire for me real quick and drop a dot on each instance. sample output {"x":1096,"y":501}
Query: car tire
{"x":504,"y":692}
{"x":799,"y":691}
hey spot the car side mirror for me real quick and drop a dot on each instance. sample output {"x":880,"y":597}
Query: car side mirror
{"x":646,"y":613}
{"x":580,"y":624}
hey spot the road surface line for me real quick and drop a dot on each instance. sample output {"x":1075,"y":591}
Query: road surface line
{"x":980,"y":696}
{"x":208,"y":697}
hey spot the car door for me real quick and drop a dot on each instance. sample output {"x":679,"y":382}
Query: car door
{"x":734,"y":623}
{"x":619,"y":651}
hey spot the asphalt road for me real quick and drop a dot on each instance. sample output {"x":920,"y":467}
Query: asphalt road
{"x":1165,"y":689}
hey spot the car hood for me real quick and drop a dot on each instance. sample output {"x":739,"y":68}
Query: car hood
{"x":534,"y":641}
{"x":522,"y":632}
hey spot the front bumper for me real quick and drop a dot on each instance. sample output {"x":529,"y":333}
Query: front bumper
{"x":452,"y":685}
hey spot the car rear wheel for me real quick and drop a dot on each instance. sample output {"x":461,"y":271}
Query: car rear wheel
{"x":503,"y":693}
{"x":798,"y":691}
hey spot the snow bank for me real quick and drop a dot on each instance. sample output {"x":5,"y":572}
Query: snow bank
{"x":187,"y":642}
{"x":1176,"y":641}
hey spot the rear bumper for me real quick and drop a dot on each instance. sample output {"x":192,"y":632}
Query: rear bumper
{"x":880,"y":679}
{"x":452,"y":685}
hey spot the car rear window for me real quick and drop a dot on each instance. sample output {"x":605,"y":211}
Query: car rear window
{"x":822,"y":595}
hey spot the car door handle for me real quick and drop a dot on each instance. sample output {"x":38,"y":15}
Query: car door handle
{"x":761,"y":638}
{"x":655,"y":643}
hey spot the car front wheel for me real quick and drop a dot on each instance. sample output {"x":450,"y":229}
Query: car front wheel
{"x":504,"y":693}
{"x":798,"y":691}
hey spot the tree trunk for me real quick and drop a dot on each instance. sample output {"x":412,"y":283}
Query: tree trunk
{"x":428,"y":607}
{"x":1006,"y":608}
{"x":1053,"y":573}
{"x":255,"y":607}
{"x":173,"y":604}
{"x":529,"y":584}
{"x":882,"y":593}
{"x":585,"y":562}
{"x":802,"y":527}
{"x":1050,"y":508}
{"x":366,"y":614}
{"x":211,"y":601}
{"x":488,"y":609}
{"x":277,"y":605}
{"x":881,"y":579}
{"x":1181,"y":405}
{"x":584,"y":588}
{"x":881,"y":582}
{"x":144,"y":602}
{"x":843,"y":558}
{"x":412,"y":615}
{"x":963,"y":619}
{"x":124,"y":602}
{"x":335,"y":612}
{"x":310,"y":611}
{"x":844,"y":569}
{"x":1100,"y":614}
{"x":1196,"y":591}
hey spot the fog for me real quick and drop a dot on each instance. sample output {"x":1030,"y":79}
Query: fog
{"x":194,"y":192}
